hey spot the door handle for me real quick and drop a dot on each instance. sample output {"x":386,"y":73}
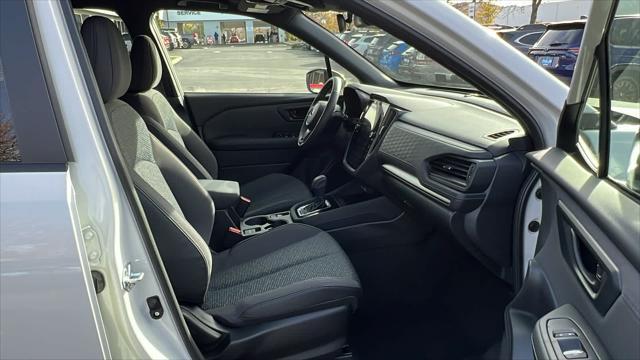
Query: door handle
{"x":587,"y":263}
{"x":594,"y":270}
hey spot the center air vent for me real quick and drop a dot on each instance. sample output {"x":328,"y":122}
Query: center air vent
{"x":451,"y":169}
{"x":498,"y":135}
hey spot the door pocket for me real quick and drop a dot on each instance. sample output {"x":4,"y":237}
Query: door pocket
{"x":595,"y":271}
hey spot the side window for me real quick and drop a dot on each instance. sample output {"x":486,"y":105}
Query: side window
{"x":9,"y":150}
{"x":29,"y":134}
{"x":229,"y":53}
{"x":615,"y":154}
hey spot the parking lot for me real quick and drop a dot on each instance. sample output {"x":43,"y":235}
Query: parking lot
{"x":261,"y":68}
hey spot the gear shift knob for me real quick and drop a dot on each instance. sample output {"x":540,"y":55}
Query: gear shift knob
{"x":319,"y":185}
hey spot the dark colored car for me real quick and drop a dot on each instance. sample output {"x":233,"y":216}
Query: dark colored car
{"x":624,"y":40}
{"x":558,"y":49}
{"x":416,"y":66}
{"x":533,"y":27}
{"x":521,"y":39}
{"x":407,"y":63}
{"x":377,"y":45}
{"x":392,"y":55}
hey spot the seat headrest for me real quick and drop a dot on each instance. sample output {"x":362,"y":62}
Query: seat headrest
{"x":108,"y":56}
{"x":145,"y":65}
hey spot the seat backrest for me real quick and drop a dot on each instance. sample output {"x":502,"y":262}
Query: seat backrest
{"x":162,"y":119}
{"x":179,"y":211}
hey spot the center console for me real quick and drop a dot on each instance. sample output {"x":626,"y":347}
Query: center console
{"x":262,"y":223}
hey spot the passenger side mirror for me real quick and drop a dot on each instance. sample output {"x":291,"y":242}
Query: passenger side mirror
{"x":318,"y":77}
{"x":359,"y":22}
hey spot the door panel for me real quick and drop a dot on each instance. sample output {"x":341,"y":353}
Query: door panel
{"x":251,"y":134}
{"x":586,"y":221}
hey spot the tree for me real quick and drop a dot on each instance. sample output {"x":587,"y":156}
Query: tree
{"x":8,"y":144}
{"x":535,"y":5}
{"x":486,"y":11}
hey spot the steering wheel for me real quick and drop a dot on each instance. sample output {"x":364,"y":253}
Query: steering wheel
{"x":320,"y":112}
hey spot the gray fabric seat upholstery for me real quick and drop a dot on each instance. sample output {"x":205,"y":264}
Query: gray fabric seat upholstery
{"x":291,"y":270}
{"x":268,"y":194}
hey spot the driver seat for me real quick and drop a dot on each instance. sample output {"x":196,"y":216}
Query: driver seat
{"x":268,"y":194}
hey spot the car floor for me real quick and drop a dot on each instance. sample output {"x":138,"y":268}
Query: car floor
{"x":429,"y":300}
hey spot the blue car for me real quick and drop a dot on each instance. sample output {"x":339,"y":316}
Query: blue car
{"x":392,"y":55}
{"x":557,"y":50}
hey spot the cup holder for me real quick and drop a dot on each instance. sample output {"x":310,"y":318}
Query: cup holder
{"x":276,"y":223}
{"x":257,"y":221}
{"x":262,"y":223}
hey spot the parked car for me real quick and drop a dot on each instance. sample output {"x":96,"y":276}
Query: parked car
{"x":558,"y":48}
{"x":522,"y":40}
{"x":377,"y":46}
{"x":533,"y":27}
{"x":625,"y":58}
{"x":416,"y":66}
{"x":392,"y":55}
{"x":166,"y":41}
{"x":187,"y":41}
{"x":173,"y":40}
{"x":361,"y":44}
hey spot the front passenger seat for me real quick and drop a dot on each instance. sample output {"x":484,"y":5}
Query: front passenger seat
{"x":268,"y":194}
{"x":288,"y":292}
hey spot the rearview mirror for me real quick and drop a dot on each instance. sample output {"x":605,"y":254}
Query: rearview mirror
{"x":318,"y":77}
{"x":342,"y":23}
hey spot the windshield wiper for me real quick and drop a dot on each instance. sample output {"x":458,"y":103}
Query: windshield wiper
{"x":558,"y":44}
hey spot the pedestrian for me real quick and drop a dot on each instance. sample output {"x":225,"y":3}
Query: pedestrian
{"x":224,"y":38}
{"x":215,"y":37}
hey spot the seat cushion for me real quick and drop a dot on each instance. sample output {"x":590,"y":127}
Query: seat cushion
{"x":290,"y":270}
{"x":273,"y":193}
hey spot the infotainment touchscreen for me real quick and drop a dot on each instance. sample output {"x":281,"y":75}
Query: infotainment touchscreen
{"x":371,"y":114}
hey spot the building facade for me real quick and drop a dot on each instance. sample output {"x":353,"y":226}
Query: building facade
{"x":236,"y":28}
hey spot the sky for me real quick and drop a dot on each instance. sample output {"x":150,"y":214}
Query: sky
{"x":514,"y":2}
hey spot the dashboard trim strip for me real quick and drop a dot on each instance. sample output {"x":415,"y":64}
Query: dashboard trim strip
{"x":414,"y":182}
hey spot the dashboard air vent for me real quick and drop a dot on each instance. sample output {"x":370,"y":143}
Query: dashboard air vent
{"x":498,"y":135}
{"x":451,"y":169}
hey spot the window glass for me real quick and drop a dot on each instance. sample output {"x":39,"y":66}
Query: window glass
{"x":589,"y":124}
{"x":9,"y":150}
{"x":624,"y":79}
{"x":391,"y":55}
{"x":230,"y":53}
{"x":624,"y":103}
{"x":561,"y":38}
{"x":530,"y":39}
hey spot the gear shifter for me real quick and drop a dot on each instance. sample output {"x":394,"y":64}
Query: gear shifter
{"x":319,"y":185}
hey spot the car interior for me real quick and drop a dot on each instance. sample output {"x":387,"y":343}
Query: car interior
{"x":380,"y":226}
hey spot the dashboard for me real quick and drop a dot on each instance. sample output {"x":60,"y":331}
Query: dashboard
{"x":455,"y":159}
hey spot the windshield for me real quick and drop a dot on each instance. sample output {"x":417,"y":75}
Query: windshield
{"x":393,"y":56}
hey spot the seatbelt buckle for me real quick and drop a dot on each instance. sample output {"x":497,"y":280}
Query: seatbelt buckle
{"x":243,"y":206}
{"x":233,"y":236}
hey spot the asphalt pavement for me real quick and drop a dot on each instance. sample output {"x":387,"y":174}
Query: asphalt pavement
{"x":257,"y":68}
